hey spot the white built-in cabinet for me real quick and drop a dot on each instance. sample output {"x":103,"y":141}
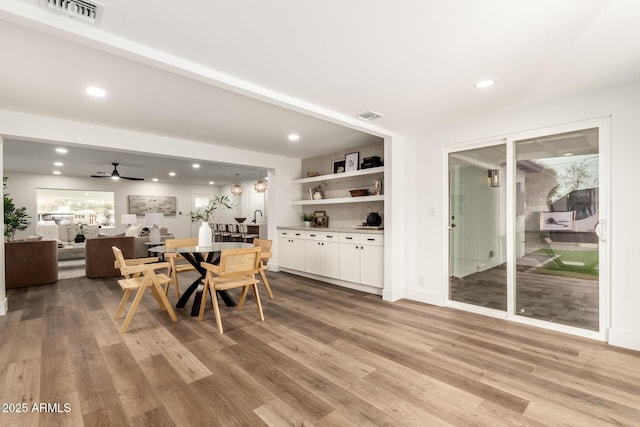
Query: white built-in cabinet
{"x":362,"y":258}
{"x":323,"y":253}
{"x":349,"y":257}
{"x":291,"y":252}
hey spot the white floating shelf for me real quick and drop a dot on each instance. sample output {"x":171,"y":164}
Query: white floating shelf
{"x":339,"y":200}
{"x":341,"y":175}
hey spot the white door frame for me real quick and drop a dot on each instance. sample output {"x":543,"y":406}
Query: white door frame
{"x":604,"y":143}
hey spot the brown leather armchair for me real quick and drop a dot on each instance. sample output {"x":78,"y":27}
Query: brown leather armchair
{"x":29,"y":263}
{"x":99,"y":255}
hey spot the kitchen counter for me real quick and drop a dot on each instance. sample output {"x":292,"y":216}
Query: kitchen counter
{"x":367,"y":230}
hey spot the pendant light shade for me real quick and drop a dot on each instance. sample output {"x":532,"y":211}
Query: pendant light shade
{"x":260,"y":186}
{"x":237,"y":188}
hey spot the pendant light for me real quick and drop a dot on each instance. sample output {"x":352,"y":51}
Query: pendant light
{"x":237,"y":188}
{"x":260,"y":186}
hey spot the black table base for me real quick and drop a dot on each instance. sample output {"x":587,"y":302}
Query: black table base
{"x":195,"y":259}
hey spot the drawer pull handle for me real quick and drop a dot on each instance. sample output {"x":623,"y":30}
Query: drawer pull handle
{"x":349,"y":238}
{"x":371,"y":240}
{"x":329,"y":237}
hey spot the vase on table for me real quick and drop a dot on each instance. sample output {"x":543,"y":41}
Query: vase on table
{"x":204,"y":235}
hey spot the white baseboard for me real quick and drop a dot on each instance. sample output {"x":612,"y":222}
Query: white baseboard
{"x":624,"y":338}
{"x":350,"y":285}
{"x":4,"y":307}
{"x":424,"y":296}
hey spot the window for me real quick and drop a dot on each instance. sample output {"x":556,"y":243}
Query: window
{"x":66,"y":207}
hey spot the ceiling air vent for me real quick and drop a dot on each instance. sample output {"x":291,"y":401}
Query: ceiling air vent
{"x":89,"y":11}
{"x":369,"y":116}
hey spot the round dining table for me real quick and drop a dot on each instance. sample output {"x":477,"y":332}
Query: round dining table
{"x":195,"y":255}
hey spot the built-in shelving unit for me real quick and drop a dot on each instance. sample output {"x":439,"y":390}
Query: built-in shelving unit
{"x":342,"y":175}
{"x":339,"y":200}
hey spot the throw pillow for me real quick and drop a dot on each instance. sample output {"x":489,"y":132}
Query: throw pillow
{"x":133,"y":231}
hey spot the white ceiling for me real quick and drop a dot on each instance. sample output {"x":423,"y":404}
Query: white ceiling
{"x":181,"y":69}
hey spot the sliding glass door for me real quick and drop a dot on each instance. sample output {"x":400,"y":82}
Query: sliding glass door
{"x":526,"y":229}
{"x":477,"y":227}
{"x":557,"y":220}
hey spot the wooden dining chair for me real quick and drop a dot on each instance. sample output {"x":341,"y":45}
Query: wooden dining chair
{"x":177,"y":263}
{"x":138,"y":275}
{"x":237,"y":269}
{"x":265,"y":256}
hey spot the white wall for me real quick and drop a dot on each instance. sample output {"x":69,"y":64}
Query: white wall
{"x":428,"y":187}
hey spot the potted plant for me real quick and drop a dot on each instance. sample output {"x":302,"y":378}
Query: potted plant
{"x":15,"y":219}
{"x":307,"y":218}
{"x":205,"y":214}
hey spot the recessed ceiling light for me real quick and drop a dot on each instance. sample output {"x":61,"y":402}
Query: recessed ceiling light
{"x":485,"y":83}
{"x":568,"y":154}
{"x":96,"y":91}
{"x":154,"y":179}
{"x":172,"y":174}
{"x":195,"y":166}
{"x":211,"y":182}
{"x":61,"y":150}
{"x":57,"y":173}
{"x":294,"y":137}
{"x":58,"y":164}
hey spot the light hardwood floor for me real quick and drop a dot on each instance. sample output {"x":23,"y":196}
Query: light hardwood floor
{"x":325,"y":356}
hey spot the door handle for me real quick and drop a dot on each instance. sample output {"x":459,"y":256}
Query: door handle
{"x":600,"y":231}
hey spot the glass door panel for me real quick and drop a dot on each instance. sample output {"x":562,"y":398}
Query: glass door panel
{"x":477,"y":227}
{"x":556,"y":220}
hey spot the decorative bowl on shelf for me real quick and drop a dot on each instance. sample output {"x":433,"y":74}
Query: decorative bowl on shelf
{"x":359,"y":192}
{"x":240,"y":220}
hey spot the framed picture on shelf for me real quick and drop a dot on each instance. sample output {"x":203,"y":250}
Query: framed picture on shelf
{"x":322,"y":221}
{"x":338,"y":166}
{"x":319,"y":214}
{"x":352,"y":161}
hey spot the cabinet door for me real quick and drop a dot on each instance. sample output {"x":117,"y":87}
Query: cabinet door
{"x":350,"y":262}
{"x":372,"y":265}
{"x":284,"y":252}
{"x":313,"y":256}
{"x":331,"y":259}
{"x":298,"y":252}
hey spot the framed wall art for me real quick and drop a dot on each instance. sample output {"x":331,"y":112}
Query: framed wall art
{"x":352,"y":162}
{"x":141,"y":205}
{"x":338,"y":166}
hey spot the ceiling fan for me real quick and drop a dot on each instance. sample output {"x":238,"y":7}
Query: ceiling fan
{"x":115,"y":174}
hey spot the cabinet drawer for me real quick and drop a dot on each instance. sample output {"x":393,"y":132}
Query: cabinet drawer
{"x":372,"y":239}
{"x":291,"y":234}
{"x":313,"y":235}
{"x":349,"y":237}
{"x":330,"y":237}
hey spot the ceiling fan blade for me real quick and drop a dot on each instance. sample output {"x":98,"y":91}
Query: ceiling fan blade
{"x":100,"y":176}
{"x":132,"y":178}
